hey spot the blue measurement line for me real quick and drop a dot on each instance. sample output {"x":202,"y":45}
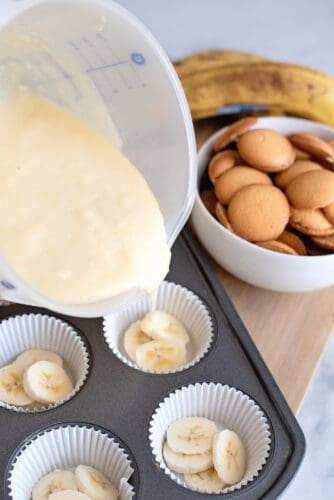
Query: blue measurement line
{"x":105,"y":66}
{"x":109,"y":48}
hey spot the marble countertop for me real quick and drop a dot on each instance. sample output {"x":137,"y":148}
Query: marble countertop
{"x":298,"y":31}
{"x":315,"y":478}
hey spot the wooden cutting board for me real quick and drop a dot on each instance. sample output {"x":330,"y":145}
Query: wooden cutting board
{"x":290,"y":330}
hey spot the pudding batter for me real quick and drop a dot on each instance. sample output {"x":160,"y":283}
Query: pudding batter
{"x":78,"y":220}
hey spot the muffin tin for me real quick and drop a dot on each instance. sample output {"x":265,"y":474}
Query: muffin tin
{"x":122,"y":399}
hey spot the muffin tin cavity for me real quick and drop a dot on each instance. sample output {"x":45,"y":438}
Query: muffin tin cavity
{"x":63,"y":447}
{"x":177,"y":300}
{"x":229,"y":409}
{"x":21,"y":333}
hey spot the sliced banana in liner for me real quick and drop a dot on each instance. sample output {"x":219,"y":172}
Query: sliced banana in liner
{"x":191,"y":435}
{"x":161,"y":325}
{"x":194,"y":445}
{"x":161,"y":356}
{"x":95,"y":484}
{"x":31,"y":356}
{"x":157,"y":342}
{"x":229,"y":456}
{"x":187,"y":464}
{"x":46,"y":382}
{"x":133,"y":338}
{"x":69,"y":495}
{"x":54,"y":482}
{"x":11,"y":386}
{"x":207,"y":481}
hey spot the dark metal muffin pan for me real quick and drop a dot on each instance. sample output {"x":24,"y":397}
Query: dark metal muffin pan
{"x":122,"y":400}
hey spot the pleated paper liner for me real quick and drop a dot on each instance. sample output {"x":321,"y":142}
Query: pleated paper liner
{"x":176,"y":300}
{"x":230,"y":409}
{"x":39,"y":331}
{"x":63,"y":447}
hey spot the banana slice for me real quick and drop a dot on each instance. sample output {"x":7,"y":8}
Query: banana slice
{"x":11,"y":386}
{"x":191,"y":435}
{"x":163,"y":326}
{"x":54,"y":482}
{"x":133,"y":338}
{"x":95,"y":484}
{"x":229,"y":457}
{"x":31,"y":356}
{"x":187,"y":464}
{"x":69,"y":495}
{"x":46,"y":382}
{"x":161,"y":356}
{"x":206,"y":482}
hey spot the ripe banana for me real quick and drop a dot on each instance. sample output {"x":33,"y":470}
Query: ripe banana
{"x":187,"y":464}
{"x":205,"y":482}
{"x":46,"y":382}
{"x":163,"y":326}
{"x":229,"y":456}
{"x":94,"y":484}
{"x":298,"y":90}
{"x":133,"y":338}
{"x":69,"y":495}
{"x":31,"y":356}
{"x":161,"y":356}
{"x":11,"y":386}
{"x":212,"y":58}
{"x":58,"y":480}
{"x":191,"y":435}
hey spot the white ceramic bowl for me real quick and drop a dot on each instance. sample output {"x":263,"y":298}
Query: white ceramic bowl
{"x":250,"y":263}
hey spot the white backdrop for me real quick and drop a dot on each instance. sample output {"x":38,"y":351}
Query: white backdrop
{"x":300,"y":31}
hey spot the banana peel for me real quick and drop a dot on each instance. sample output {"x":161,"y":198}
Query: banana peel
{"x":209,"y":59}
{"x":260,"y":86}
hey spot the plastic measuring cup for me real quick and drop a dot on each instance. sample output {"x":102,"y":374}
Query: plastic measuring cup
{"x":99,"y":61}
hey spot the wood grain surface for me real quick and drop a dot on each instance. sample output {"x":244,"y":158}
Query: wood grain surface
{"x":290,"y":330}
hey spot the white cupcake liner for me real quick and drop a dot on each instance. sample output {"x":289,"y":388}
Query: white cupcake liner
{"x":39,"y":331}
{"x":229,"y":408}
{"x":64,"y":447}
{"x":174,"y":299}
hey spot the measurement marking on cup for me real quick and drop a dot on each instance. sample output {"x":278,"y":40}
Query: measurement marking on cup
{"x":88,"y":65}
{"x":100,"y":37}
{"x":7,"y":285}
{"x":93,"y":54}
{"x":106,"y":78}
{"x":138,"y":58}
{"x":105,"y":66}
{"x":87,"y":41}
{"x":135,"y":59}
